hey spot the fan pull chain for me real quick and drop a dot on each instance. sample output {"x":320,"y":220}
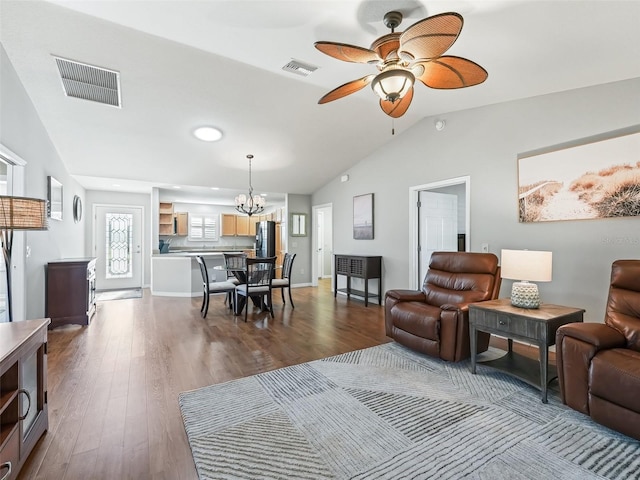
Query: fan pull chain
{"x":393,"y":126}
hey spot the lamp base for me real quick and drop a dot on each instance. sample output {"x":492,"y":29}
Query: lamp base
{"x":525,"y":295}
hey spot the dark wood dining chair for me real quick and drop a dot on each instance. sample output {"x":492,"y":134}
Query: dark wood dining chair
{"x":210,"y":288}
{"x":285,"y":281}
{"x":234,"y":263}
{"x":259,"y":276}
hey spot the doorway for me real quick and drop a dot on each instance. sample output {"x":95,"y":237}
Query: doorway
{"x":12,"y":183}
{"x":117,"y":245}
{"x":322,"y":242}
{"x":437,"y":215}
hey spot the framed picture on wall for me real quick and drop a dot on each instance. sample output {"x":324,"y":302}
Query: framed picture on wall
{"x":591,"y":179}
{"x":363,"y":217}
{"x":54,"y":198}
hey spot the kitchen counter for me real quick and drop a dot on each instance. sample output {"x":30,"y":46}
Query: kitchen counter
{"x":177,"y":274}
{"x":204,"y":253}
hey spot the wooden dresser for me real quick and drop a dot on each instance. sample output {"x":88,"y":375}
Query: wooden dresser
{"x":71,"y":291}
{"x":24,"y":413}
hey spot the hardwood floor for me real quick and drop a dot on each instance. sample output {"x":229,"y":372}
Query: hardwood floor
{"x":113,"y":386}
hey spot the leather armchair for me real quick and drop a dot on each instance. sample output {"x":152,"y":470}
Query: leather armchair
{"x":599,"y":364}
{"x":435,"y":320}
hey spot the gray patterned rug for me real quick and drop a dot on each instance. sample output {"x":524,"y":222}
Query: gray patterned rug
{"x":387,"y":412}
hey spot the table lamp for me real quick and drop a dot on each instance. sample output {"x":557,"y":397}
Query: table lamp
{"x":18,"y":213}
{"x":526,"y":266}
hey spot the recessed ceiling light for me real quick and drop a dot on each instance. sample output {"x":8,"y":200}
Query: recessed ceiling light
{"x":215,"y":188}
{"x":116,"y":184}
{"x":176,"y":186}
{"x":208,"y":134}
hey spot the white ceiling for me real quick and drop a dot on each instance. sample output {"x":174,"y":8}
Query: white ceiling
{"x":187,"y":63}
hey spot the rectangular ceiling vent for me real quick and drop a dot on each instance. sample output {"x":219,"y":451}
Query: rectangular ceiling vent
{"x":87,"y":82}
{"x":299,"y":68}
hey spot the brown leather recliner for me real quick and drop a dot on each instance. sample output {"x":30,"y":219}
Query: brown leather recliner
{"x":599,"y":364}
{"x":435,"y":320}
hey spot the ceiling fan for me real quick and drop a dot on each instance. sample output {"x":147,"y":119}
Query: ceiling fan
{"x":401,"y":57}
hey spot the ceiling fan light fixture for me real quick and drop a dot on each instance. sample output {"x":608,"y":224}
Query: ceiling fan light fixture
{"x":392,"y":85}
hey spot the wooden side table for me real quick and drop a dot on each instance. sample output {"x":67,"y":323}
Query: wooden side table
{"x":358,"y":266}
{"x":537,"y":326}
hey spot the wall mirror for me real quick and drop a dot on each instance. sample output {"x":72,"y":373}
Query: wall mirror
{"x":298,"y":224}
{"x":54,"y":197}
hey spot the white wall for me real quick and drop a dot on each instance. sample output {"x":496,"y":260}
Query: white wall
{"x":301,"y":246}
{"x":484,"y":143}
{"x":22,"y":132}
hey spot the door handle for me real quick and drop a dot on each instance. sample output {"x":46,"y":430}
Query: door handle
{"x":7,"y":474}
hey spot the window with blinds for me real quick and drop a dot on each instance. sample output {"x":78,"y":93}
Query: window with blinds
{"x":203,"y":227}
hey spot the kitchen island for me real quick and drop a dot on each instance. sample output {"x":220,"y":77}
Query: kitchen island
{"x":177,"y":274}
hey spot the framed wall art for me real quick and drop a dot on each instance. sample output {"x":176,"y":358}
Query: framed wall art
{"x":591,"y":180}
{"x":54,"y":198}
{"x":363,"y":217}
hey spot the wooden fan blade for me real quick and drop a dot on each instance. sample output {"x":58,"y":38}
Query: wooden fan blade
{"x":398,"y":108}
{"x":431,"y":37}
{"x":346,"y":89}
{"x":347,"y":53}
{"x":452,"y":72}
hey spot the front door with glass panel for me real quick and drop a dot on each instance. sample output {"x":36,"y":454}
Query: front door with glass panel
{"x":118,"y":247}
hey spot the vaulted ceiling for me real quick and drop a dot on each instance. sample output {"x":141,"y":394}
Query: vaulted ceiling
{"x":185,"y":63}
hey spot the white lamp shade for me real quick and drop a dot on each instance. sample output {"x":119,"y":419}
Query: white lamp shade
{"x":241,"y":199}
{"x":529,"y":265}
{"x":392,"y":84}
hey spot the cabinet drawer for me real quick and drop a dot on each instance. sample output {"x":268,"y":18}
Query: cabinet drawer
{"x":508,"y":324}
{"x":493,"y":320}
{"x":10,"y":453}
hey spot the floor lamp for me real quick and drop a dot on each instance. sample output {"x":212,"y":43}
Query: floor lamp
{"x":18,"y":213}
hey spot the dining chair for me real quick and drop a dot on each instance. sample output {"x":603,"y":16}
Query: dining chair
{"x":285,"y":281}
{"x":259,"y":275}
{"x":234,"y":265}
{"x":210,"y":288}
{"x":233,"y":261}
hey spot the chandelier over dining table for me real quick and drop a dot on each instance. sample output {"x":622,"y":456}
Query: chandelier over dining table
{"x":250,"y":204}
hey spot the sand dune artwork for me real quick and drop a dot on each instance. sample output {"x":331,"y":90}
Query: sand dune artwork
{"x":600,"y":179}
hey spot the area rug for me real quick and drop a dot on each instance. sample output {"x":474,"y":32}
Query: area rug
{"x":118,"y":294}
{"x":387,"y":412}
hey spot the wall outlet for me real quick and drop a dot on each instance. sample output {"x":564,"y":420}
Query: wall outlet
{"x":485,"y":248}
{"x":302,"y":271}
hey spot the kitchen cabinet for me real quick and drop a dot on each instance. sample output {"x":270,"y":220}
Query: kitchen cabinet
{"x":242,"y":225}
{"x":228,"y":224}
{"x":182,"y":223}
{"x":238,"y":225}
{"x":71,"y":291}
{"x":24,"y":413}
{"x":166,"y":225}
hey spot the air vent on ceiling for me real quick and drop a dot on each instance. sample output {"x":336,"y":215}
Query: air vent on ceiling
{"x":87,"y":82}
{"x":300,"y":68}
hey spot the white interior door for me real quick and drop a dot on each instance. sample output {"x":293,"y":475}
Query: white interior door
{"x":321,"y":242}
{"x":320,"y":236}
{"x":438,"y":218}
{"x":117,"y":243}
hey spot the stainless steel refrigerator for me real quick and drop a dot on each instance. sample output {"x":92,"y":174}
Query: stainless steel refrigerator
{"x":265,"y":239}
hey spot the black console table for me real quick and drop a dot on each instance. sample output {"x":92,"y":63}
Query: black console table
{"x":358,"y":266}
